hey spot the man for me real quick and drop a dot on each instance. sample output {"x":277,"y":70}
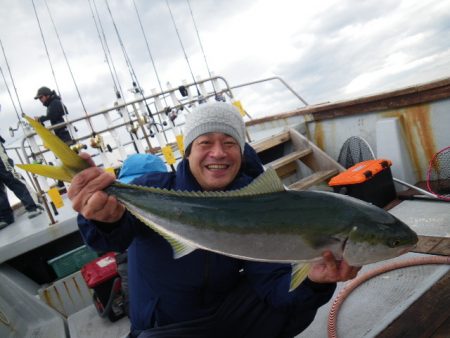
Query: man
{"x":55,"y":112}
{"x":10,"y":178}
{"x":202,"y":294}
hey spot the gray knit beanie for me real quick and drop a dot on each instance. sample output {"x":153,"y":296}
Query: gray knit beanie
{"x":217,"y":117}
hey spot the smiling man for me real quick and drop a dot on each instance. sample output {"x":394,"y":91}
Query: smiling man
{"x":202,"y":294}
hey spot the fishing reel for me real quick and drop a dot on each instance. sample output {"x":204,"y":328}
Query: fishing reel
{"x":172,"y":114}
{"x":96,"y":141}
{"x":155,"y":124}
{"x":12,"y":130}
{"x":78,"y":147}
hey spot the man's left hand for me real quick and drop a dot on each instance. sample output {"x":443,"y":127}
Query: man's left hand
{"x":330,"y":270}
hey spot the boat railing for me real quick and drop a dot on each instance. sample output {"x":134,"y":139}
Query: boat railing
{"x":273,"y":78}
{"x":153,"y":123}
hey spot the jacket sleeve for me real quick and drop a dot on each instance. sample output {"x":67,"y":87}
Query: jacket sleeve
{"x":271,"y":282}
{"x":109,"y":236}
{"x":118,"y":236}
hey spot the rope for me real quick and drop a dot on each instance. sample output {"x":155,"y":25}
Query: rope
{"x":353,"y":284}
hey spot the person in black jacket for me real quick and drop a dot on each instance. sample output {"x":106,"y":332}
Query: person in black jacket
{"x":55,"y":112}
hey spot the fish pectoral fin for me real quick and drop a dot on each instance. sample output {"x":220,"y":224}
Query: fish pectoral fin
{"x":299,"y":274}
{"x":180,"y":248}
{"x":57,"y":173}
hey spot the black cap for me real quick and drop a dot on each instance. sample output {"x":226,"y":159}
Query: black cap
{"x":43,"y":91}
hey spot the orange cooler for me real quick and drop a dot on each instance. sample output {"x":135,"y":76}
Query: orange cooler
{"x":370,"y":181}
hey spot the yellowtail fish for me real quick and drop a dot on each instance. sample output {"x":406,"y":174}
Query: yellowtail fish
{"x":261,"y":222}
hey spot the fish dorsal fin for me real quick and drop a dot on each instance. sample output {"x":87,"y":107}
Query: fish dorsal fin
{"x":266,"y":183}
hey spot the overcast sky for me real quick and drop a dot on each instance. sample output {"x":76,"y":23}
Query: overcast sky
{"x":326,"y":50}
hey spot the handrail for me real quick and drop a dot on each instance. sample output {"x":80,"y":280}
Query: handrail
{"x":270,"y":79}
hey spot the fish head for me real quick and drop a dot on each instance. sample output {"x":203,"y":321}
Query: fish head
{"x":377,"y":237}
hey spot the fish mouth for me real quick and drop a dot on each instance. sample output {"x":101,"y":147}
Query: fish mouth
{"x":344,"y":243}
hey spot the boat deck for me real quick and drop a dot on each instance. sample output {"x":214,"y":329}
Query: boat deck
{"x":414,"y":299}
{"x":406,"y":302}
{"x":27,"y":234}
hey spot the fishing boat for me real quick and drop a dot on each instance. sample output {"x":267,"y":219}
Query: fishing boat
{"x":407,"y":126}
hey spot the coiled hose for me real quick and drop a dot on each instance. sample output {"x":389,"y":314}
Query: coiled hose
{"x":353,"y":284}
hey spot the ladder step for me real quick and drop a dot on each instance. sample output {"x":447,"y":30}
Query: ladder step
{"x":317,"y":177}
{"x":271,"y":141}
{"x":295,"y":155}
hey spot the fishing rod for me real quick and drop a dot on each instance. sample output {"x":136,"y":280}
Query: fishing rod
{"x":70,"y":69}
{"x":12,"y":101}
{"x":12,"y":80}
{"x":166,"y":149}
{"x":123,"y":113}
{"x":182,"y":47}
{"x":137,"y":89}
{"x":149,"y":51}
{"x":117,"y":90}
{"x":201,"y":45}
{"x":136,"y":86}
{"x":45,"y":46}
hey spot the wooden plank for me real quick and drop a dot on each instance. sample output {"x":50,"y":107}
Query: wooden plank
{"x":271,"y":141}
{"x":425,"y":93}
{"x":287,"y":170}
{"x":433,"y":245}
{"x":318,"y":160}
{"x":295,"y":155}
{"x":313,"y":179}
{"x":426,"y":316}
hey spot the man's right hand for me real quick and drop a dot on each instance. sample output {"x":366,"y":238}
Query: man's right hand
{"x":89,"y":199}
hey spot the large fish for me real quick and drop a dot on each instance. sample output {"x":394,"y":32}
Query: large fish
{"x":260,"y":222}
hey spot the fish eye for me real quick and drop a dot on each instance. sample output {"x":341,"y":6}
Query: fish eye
{"x":393,"y":243}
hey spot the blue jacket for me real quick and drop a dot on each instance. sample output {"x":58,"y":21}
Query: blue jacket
{"x":164,"y":290}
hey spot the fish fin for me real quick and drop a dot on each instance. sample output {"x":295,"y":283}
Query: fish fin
{"x":299,"y":274}
{"x":68,"y":157}
{"x":57,"y":173}
{"x":180,"y":248}
{"x":266,"y":183}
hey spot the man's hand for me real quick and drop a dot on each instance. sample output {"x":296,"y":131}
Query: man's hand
{"x":87,"y":197}
{"x":330,"y":270}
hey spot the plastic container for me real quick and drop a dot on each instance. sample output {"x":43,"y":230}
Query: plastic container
{"x":101,"y":275}
{"x":72,"y":261}
{"x":370,"y":181}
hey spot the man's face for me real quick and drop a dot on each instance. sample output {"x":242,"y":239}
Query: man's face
{"x":43,"y":98}
{"x":215,"y":160}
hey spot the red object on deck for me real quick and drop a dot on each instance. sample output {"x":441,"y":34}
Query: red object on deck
{"x":100,"y":270}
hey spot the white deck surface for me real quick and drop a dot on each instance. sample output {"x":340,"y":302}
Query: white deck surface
{"x":26,"y":234}
{"x":88,"y":324}
{"x":372,"y":306}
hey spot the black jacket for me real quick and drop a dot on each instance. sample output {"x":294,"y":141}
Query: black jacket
{"x":55,"y":114}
